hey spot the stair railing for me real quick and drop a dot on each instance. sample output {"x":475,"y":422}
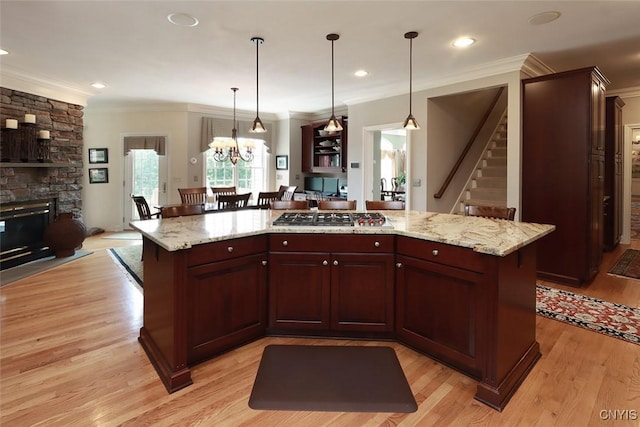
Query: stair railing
{"x":472,"y":139}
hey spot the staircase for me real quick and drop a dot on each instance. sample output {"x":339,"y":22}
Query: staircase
{"x":487,"y":185}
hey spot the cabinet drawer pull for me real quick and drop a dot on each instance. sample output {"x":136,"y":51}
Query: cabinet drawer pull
{"x":376,"y":244}
{"x":398,"y":265}
{"x":335,"y":262}
{"x":264,"y":262}
{"x":434,"y":252}
{"x":230,"y":249}
{"x":285,"y":243}
{"x":325,"y":262}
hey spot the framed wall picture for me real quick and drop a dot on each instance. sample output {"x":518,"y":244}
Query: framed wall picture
{"x":98,"y":176}
{"x":98,"y":155}
{"x":282,"y":163}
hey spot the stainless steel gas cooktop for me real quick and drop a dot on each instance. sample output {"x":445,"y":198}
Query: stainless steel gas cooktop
{"x":335,"y":219}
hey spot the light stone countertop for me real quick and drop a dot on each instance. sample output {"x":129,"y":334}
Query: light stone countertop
{"x":483,"y":235}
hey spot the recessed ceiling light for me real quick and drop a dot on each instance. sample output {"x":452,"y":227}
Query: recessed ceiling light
{"x":544,"y":18}
{"x":182,"y":19}
{"x":464,"y":42}
{"x":361,"y":73}
{"x":98,"y":85}
{"x":3,"y":52}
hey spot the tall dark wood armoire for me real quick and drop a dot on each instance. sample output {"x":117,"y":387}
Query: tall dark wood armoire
{"x":563,"y":170}
{"x":613,"y":179}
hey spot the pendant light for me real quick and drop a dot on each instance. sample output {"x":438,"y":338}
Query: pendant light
{"x":333,"y":125}
{"x":410,"y":122}
{"x":227,"y":148}
{"x":257,"y":126}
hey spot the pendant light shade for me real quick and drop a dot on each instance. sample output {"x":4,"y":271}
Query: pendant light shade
{"x":410,"y":122}
{"x":257,"y":126}
{"x":333,"y":125}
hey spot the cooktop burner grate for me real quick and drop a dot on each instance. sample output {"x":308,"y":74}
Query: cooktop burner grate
{"x":336,"y":219}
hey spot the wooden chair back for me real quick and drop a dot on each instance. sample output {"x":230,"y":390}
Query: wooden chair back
{"x":389,"y":205}
{"x":193,"y":196}
{"x":233,"y":201}
{"x":266,"y":197}
{"x":289,"y":204}
{"x":490,"y":211}
{"x":226,"y":191}
{"x":337,"y":204}
{"x":287,"y":191}
{"x":143,"y":208}
{"x":181,"y":210}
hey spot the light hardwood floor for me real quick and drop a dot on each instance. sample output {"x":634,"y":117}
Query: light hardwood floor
{"x":70,"y":356}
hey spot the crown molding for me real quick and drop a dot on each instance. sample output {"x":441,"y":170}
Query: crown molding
{"x":15,"y":79}
{"x":534,"y":67}
{"x":631,"y":92}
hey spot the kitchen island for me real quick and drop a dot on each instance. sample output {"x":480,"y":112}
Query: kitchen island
{"x":458,"y":289}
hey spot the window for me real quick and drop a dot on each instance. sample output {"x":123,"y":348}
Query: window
{"x":246,"y":177}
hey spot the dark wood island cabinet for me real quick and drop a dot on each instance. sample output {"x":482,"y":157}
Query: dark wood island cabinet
{"x":472,"y":309}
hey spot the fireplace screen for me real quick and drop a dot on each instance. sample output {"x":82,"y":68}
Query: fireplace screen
{"x":22,"y":226}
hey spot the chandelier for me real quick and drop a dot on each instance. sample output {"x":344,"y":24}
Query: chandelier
{"x":227,"y":148}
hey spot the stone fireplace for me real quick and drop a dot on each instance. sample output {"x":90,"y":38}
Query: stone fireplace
{"x":58,"y":183}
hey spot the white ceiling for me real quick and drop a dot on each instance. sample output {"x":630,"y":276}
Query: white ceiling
{"x":132,"y":47}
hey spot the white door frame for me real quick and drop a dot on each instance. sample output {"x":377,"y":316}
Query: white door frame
{"x":368,"y":166}
{"x":163,"y":172}
{"x":627,"y":183}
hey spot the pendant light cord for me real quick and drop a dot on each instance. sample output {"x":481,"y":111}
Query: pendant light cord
{"x":410,"y":73}
{"x":332,"y":89}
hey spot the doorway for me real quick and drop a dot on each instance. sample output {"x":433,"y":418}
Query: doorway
{"x":386,"y":163}
{"x":145,"y":174}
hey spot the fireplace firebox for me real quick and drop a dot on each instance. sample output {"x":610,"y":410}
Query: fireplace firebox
{"x":22,"y":226}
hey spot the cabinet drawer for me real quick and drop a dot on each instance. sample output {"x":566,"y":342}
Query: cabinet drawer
{"x":441,"y":253}
{"x":220,"y":251}
{"x":316,"y":242}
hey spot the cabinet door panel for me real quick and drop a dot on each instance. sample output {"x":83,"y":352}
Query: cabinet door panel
{"x":436,"y":310}
{"x":362,"y":292}
{"x":299,"y":290}
{"x":228,"y":305}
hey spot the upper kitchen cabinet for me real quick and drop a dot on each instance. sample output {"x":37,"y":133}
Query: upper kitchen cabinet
{"x":563,"y":157}
{"x":324,"y":152}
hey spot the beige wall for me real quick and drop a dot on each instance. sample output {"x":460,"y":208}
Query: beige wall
{"x":104,"y":203}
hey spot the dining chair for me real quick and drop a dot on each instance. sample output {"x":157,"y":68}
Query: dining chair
{"x":289,"y":204}
{"x":337,"y":204}
{"x":233,"y":201}
{"x":181,"y":210}
{"x":287,"y":191}
{"x":490,"y":211}
{"x":390,"y":205}
{"x":265,"y":197}
{"x":193,"y":196}
{"x":143,"y":208}
{"x":226,"y":191}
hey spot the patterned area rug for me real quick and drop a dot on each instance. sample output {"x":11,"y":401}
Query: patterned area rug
{"x":628,"y":265}
{"x":594,"y":314}
{"x":615,"y":320}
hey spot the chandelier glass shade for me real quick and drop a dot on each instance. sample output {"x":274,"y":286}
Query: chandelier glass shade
{"x":226,"y":148}
{"x":410,"y":122}
{"x":333,"y":125}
